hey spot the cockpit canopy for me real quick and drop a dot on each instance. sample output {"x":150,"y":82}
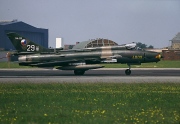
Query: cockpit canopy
{"x":131,"y":46}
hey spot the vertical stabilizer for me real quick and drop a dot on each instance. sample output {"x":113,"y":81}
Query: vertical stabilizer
{"x":23,"y":44}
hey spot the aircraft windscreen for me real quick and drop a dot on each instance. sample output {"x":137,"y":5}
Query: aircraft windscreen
{"x":131,"y":46}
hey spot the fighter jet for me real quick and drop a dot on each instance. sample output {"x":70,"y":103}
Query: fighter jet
{"x":80,"y":60}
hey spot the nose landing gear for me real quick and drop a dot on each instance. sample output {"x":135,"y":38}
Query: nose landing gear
{"x":128,"y":71}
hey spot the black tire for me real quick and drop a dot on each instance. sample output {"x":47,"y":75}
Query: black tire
{"x":128,"y":72}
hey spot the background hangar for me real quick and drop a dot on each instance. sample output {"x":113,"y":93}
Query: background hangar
{"x":99,"y":42}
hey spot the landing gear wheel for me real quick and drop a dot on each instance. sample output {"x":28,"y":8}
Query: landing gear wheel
{"x":128,"y":71}
{"x":79,"y":72}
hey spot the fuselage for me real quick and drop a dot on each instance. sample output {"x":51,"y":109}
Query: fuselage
{"x":94,"y":56}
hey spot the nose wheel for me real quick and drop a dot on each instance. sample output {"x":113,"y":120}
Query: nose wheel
{"x":128,"y":71}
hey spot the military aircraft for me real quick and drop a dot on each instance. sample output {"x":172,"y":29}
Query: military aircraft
{"x":79,"y":60}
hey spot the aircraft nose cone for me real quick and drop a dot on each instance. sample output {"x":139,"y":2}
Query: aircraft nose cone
{"x":158,"y":56}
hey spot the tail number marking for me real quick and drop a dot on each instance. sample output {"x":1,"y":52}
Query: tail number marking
{"x":31,"y":48}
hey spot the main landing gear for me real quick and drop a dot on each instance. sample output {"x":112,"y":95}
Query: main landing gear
{"x":79,"y":72}
{"x":128,"y":71}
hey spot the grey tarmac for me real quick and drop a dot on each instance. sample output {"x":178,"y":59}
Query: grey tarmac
{"x":139,"y":75}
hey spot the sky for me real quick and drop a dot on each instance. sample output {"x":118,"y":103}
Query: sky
{"x":152,"y":22}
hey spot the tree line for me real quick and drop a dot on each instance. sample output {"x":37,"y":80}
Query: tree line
{"x":143,"y":46}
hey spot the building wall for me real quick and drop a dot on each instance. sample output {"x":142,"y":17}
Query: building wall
{"x":175,"y":42}
{"x":3,"y":57}
{"x":171,"y":54}
{"x":176,"y":45}
{"x":38,"y":35}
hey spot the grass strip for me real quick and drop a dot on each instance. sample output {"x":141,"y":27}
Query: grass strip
{"x":90,"y":103}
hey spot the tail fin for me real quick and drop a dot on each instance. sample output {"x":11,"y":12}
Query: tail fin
{"x":23,"y":44}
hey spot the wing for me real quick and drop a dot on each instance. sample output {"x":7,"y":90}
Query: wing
{"x":54,"y":63}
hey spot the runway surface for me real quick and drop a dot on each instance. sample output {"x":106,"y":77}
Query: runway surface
{"x":147,"y":75}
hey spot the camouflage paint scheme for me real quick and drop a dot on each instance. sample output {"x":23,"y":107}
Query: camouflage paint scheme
{"x":80,"y":60}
